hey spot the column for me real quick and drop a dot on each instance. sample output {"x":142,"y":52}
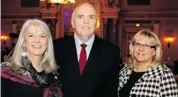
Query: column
{"x":13,"y":34}
{"x":114,"y":30}
{"x":105,"y":27}
{"x":156,"y":27}
{"x":122,"y":40}
{"x":53,"y":29}
{"x":58,"y":22}
{"x":14,"y":27}
{"x":61,"y":20}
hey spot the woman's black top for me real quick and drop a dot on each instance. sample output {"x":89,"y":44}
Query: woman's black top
{"x":125,"y":91}
{"x":27,"y":82}
{"x":14,"y":89}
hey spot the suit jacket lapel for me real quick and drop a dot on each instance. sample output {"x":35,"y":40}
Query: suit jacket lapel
{"x":94,"y":56}
{"x":73,"y":56}
{"x":92,"y":66}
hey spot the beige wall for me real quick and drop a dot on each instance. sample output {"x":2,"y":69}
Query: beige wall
{"x":169,"y":28}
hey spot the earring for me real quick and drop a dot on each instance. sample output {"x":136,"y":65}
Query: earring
{"x":24,"y":54}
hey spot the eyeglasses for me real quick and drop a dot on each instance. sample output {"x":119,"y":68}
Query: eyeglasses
{"x":146,"y":46}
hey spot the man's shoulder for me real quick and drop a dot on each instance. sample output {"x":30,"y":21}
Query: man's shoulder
{"x":108,"y":44}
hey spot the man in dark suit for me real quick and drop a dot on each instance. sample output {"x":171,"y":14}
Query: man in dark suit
{"x":91,"y":70}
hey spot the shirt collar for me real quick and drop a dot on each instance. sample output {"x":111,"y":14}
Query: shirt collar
{"x":89,"y":43}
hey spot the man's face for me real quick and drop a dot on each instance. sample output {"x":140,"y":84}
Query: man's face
{"x":84,"y":21}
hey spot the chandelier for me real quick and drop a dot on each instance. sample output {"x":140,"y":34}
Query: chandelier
{"x":59,"y":1}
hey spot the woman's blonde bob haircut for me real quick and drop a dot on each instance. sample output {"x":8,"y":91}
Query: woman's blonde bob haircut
{"x":47,"y":61}
{"x":153,"y":40}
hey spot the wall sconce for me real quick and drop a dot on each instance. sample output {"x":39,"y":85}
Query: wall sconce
{"x":169,"y":40}
{"x":61,"y":1}
{"x":98,"y":23}
{"x":137,"y":24}
{"x":52,"y":3}
{"x":4,"y":37}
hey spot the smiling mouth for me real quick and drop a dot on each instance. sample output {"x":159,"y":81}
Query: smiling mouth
{"x":140,"y":54}
{"x":36,"y":46}
{"x":86,"y":27}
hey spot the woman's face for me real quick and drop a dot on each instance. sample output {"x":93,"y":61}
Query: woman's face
{"x":143,"y":52}
{"x":35,"y":42}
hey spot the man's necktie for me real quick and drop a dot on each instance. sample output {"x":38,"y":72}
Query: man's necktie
{"x":83,"y":58}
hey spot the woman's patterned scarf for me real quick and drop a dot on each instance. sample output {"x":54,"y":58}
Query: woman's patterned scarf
{"x":28,"y":75}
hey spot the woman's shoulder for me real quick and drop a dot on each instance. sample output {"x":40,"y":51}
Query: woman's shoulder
{"x":162,"y":71}
{"x":16,"y":75}
{"x":5,"y":67}
{"x":167,"y":71}
{"x":125,"y":70}
{"x":5,"y":64}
